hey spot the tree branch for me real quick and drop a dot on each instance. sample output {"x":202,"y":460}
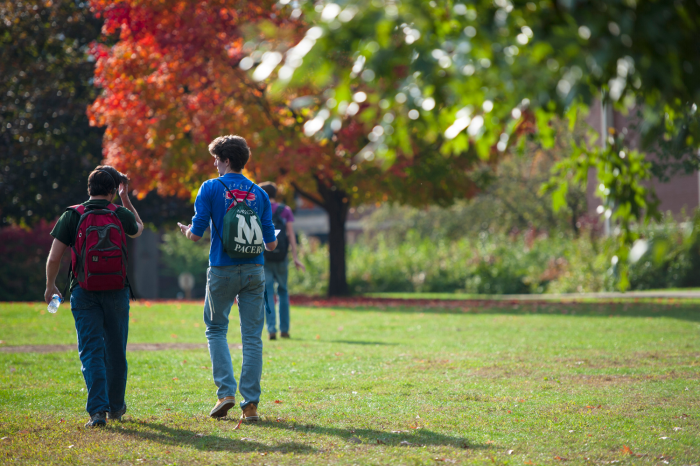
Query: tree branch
{"x":309,"y":196}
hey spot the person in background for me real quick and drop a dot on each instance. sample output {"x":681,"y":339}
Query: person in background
{"x":276,"y":264}
{"x":228,"y":278}
{"x":101,"y":317}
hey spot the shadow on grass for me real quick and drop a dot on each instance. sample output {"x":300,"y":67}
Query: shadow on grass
{"x":154,"y":432}
{"x":674,"y":310}
{"x":174,"y":436}
{"x":360,"y":342}
{"x":410,"y":437}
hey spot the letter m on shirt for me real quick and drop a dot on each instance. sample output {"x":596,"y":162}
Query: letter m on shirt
{"x":248,"y":231}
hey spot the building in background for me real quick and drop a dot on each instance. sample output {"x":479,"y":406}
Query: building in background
{"x":681,"y":194}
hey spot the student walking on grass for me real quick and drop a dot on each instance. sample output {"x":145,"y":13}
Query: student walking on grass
{"x":238,"y":214}
{"x":95,"y":231}
{"x":276,"y":263}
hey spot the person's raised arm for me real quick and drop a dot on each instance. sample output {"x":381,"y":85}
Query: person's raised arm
{"x":126,"y":202}
{"x":53,"y":265}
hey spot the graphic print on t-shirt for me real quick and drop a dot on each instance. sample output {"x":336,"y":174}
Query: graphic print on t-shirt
{"x":239,"y":195}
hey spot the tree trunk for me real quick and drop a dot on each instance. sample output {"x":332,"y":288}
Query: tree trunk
{"x":337,"y":215}
{"x":336,"y":203}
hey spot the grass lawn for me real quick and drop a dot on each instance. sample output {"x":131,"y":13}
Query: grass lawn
{"x":521,"y":384}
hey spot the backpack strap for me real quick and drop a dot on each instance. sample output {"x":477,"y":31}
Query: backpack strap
{"x":80,"y":210}
{"x":228,"y":190}
{"x":252,"y":185}
{"x":212,"y":218}
{"x":278,"y":212}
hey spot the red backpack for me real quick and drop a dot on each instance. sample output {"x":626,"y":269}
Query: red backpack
{"x":99,"y":255}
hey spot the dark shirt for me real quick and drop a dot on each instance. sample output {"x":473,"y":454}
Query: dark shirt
{"x":67,"y":226}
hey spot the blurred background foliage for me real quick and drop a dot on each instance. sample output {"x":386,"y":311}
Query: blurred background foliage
{"x":47,"y":146}
{"x":484,"y":95}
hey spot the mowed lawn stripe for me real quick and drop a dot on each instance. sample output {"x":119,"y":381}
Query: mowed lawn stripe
{"x":519,"y":384}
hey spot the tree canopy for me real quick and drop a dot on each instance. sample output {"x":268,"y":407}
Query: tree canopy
{"x":47,"y":145}
{"x":474,"y":76}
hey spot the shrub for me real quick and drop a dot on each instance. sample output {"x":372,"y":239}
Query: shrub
{"x":488,"y":264}
{"x":23,"y":267}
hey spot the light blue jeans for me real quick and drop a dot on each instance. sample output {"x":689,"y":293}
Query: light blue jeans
{"x":247,"y":281}
{"x":277,"y":272}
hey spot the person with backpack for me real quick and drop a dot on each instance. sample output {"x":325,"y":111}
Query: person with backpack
{"x":95,"y":232}
{"x":276,"y":266}
{"x":238,"y":214}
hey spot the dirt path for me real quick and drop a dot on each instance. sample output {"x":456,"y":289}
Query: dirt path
{"x":130,"y":347}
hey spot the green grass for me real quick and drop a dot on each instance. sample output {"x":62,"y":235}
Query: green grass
{"x":575,"y":383}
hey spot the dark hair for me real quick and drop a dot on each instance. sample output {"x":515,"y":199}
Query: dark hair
{"x":231,"y":148}
{"x":104,"y":180}
{"x":270,"y":188}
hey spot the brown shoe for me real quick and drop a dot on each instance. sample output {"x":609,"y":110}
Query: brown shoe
{"x":222,"y":406}
{"x":285,"y":335}
{"x":250,"y":413}
{"x":273,"y":336}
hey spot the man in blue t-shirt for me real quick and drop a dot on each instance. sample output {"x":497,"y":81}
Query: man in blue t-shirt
{"x":229,"y":278}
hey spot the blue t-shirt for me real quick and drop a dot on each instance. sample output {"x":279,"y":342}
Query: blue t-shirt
{"x":213,"y":200}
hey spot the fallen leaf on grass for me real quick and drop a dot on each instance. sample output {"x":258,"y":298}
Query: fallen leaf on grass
{"x":318,"y":337}
{"x":446,"y":460}
{"x":399,"y":431}
{"x":628,"y":451}
{"x":4,"y":438}
{"x":199,"y":435}
{"x":278,"y":401}
{"x":380,"y":442}
{"x":489,"y":442}
{"x":677,"y":428}
{"x":509,"y":452}
{"x":246,"y":439}
{"x":663,"y":438}
{"x":168,"y":409}
{"x":71,"y":446}
{"x":238,"y":426}
{"x":560,"y":458}
{"x":175,"y":378}
{"x":23,"y":432}
{"x":405,"y":443}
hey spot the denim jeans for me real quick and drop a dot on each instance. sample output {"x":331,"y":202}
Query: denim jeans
{"x":247,"y":281}
{"x":277,"y":272}
{"x":102,"y":322}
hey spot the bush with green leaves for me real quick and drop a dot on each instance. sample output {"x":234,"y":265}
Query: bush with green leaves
{"x":668,"y":256}
{"x":495,"y":263}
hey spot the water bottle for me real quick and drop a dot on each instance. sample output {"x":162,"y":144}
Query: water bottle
{"x":55,"y":302}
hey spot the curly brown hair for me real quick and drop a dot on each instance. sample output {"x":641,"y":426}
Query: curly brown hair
{"x":232,"y":148}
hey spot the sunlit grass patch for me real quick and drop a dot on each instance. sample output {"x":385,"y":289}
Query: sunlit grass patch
{"x":585,"y":383}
